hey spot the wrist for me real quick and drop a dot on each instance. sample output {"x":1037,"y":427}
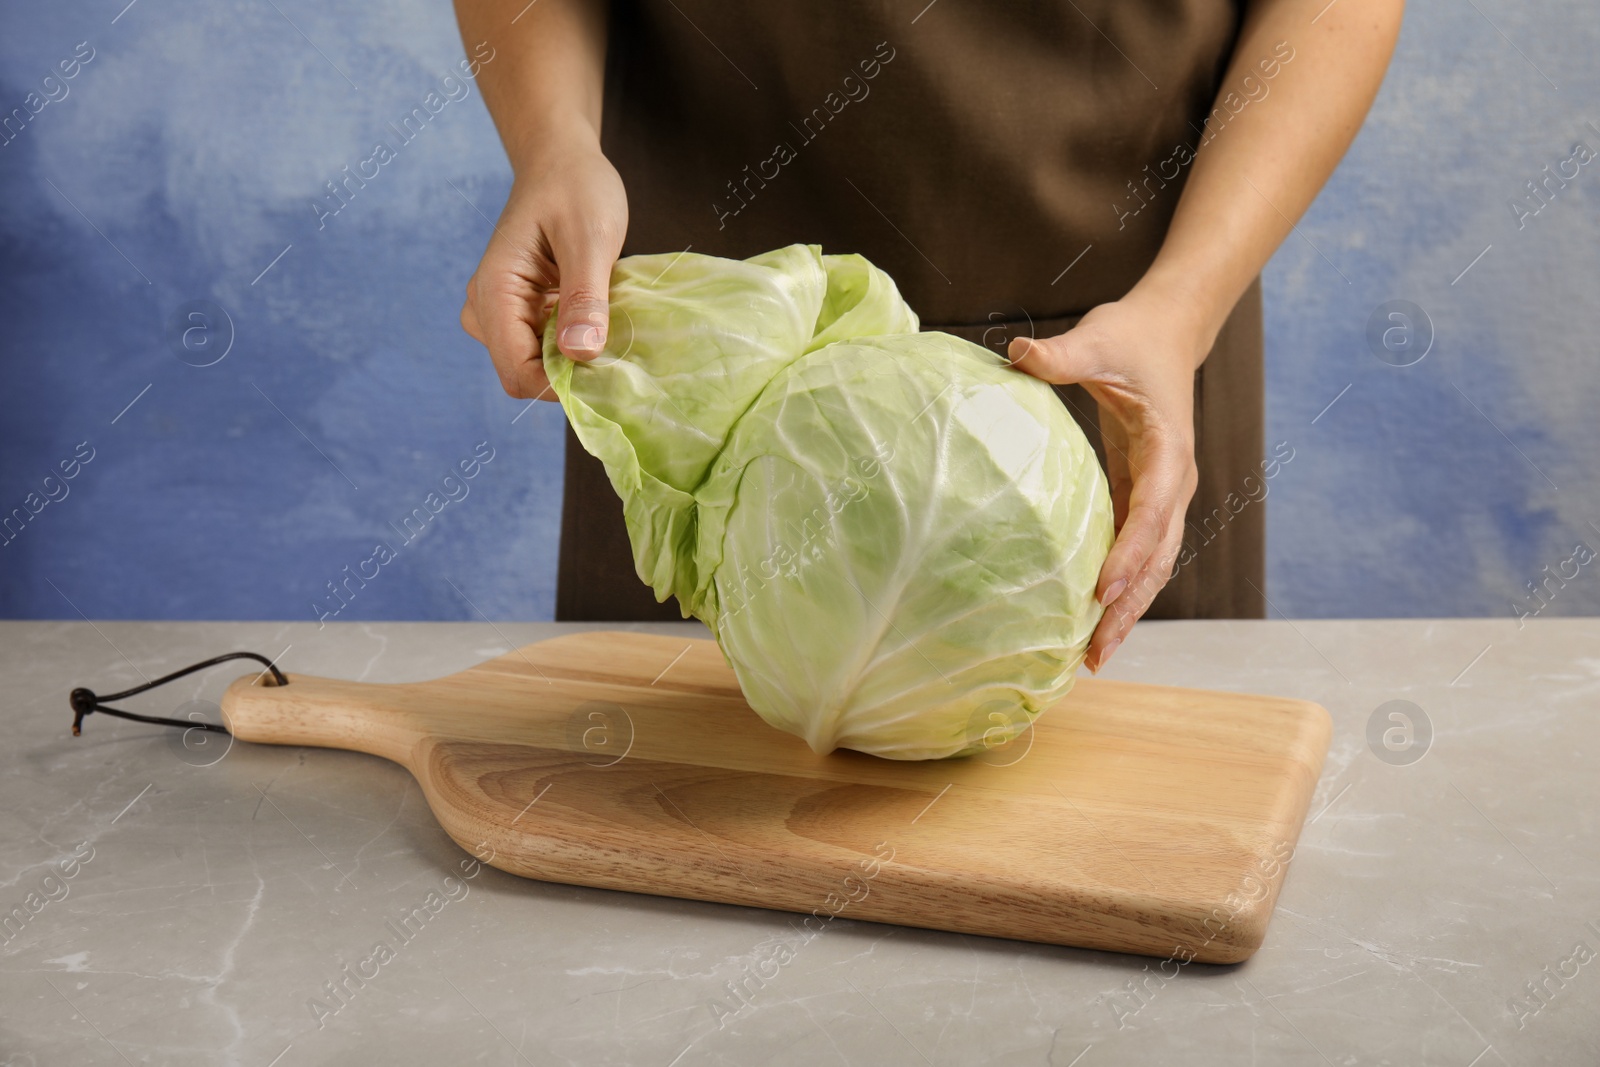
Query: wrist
{"x":1186,"y":303}
{"x":540,"y":140}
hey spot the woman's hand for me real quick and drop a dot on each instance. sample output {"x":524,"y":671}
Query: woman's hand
{"x":1137,"y":357}
{"x":559,"y":235}
{"x":1246,"y":186}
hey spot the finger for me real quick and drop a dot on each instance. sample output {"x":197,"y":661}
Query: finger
{"x":1059,"y":360}
{"x":503,"y":301}
{"x":1157,"y":495}
{"x":469,"y":317}
{"x":583,"y":313}
{"x":542,"y":308}
{"x":530,"y":378}
{"x":1131,"y":605}
{"x":1118,"y":472}
{"x":534,"y":382}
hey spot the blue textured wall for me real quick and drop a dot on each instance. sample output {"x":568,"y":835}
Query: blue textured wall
{"x":184,"y":157}
{"x":1445,"y":487}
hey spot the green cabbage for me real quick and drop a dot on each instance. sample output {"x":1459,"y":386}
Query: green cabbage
{"x":893,"y":536}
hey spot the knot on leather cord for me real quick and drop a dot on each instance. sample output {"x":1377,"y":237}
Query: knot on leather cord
{"x":87,"y":702}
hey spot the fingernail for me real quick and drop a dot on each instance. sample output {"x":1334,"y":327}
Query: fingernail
{"x":582,"y":337}
{"x":1114,"y":590}
{"x":1112,"y":647}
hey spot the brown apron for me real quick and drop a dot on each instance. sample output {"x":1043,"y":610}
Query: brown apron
{"x":1009,"y":165}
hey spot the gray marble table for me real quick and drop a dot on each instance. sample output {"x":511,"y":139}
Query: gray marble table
{"x":1443,"y":906}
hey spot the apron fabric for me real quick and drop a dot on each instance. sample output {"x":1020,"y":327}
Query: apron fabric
{"x":1009,"y":165}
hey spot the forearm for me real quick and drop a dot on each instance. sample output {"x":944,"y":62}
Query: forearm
{"x":544,"y":87}
{"x":1257,"y":172}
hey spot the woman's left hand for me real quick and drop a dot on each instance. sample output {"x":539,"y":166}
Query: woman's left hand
{"x":1137,"y":357}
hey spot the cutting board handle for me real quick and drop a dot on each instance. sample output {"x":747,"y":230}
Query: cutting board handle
{"x":324,"y":712}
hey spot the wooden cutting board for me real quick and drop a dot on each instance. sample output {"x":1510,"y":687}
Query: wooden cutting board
{"x":1134,"y":818}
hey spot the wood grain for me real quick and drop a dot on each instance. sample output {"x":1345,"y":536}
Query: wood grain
{"x":1133,"y":818}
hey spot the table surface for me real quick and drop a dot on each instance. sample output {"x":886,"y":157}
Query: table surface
{"x":167,"y":906}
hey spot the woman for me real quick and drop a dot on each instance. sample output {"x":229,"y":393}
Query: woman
{"x":1090,"y":188}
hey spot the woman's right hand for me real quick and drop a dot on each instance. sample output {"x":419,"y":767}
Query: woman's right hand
{"x":559,"y":235}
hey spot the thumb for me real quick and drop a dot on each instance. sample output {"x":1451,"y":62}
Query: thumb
{"x":1058,"y":360}
{"x":583,"y":314}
